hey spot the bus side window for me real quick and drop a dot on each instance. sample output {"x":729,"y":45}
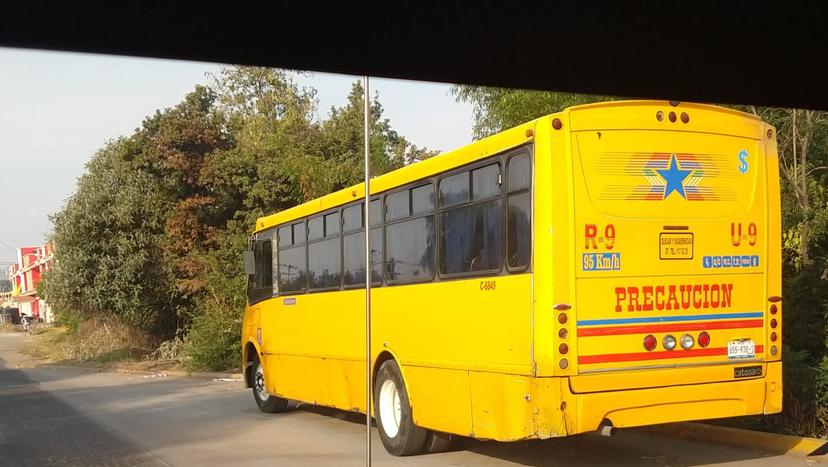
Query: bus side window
{"x":353,"y":242}
{"x":518,"y":234}
{"x":409,"y":238}
{"x":261,"y":284}
{"x":471,"y":234}
{"x":292,"y":261}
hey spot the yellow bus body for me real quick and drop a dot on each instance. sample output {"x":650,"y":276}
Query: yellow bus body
{"x":647,"y":219}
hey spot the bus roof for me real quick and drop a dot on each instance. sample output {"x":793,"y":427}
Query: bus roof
{"x":640,"y":102}
{"x":485,"y":147}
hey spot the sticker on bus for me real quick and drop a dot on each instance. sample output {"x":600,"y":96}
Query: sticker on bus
{"x":602,"y":262}
{"x":731,"y":261}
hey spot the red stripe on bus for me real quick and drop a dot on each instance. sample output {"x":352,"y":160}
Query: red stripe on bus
{"x":655,"y":328}
{"x":638,"y":356}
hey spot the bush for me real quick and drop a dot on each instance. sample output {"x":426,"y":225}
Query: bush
{"x":213,"y":341}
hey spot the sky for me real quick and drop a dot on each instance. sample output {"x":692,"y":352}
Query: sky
{"x":57,"y":109}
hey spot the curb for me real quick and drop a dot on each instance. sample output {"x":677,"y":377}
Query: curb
{"x":177,"y":373}
{"x":783,"y":444}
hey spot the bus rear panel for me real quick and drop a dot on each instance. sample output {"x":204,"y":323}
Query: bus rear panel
{"x":676,"y":265}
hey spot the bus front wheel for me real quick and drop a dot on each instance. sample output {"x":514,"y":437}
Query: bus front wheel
{"x":399,"y":434}
{"x":266,"y":402}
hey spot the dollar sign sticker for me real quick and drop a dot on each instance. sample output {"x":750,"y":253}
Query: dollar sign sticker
{"x":743,"y":165}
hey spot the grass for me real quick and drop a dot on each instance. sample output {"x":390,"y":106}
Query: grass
{"x":99,"y":344}
{"x":47,"y":344}
{"x":95,"y":343}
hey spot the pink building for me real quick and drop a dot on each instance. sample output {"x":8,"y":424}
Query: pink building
{"x":32,"y":263}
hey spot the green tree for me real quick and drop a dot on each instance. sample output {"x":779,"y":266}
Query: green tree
{"x":108,"y":237}
{"x":342,"y":141}
{"x":497,"y":109}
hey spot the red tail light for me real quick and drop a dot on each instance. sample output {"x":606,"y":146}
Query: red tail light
{"x":774,"y":323}
{"x":704,"y":339}
{"x":773,"y":309}
{"x":562,"y":318}
{"x":650,"y":343}
{"x":563,"y":348}
{"x":773,"y":337}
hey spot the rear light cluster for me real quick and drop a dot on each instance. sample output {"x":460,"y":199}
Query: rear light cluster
{"x":669,"y":341}
{"x":774,"y":324}
{"x":563,"y":333}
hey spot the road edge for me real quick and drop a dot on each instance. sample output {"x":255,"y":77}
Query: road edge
{"x":785,"y":444}
{"x":178,"y":373}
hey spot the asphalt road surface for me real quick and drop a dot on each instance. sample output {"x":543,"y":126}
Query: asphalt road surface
{"x":72,"y":417}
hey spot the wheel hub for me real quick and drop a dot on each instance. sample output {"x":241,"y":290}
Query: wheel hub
{"x":390,"y":410}
{"x":259,"y":383}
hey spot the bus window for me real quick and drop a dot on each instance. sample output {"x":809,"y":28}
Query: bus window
{"x":454,"y":189}
{"x":410,"y":247}
{"x":292,"y":262}
{"x":485,"y":183}
{"x":352,"y":218}
{"x":354,"y":267}
{"x":324,"y":264}
{"x":285,"y":236}
{"x":518,"y":235}
{"x":260,"y":285}
{"x":316,"y":229}
{"x":518,"y":172}
{"x":471,"y":238}
{"x":422,"y":199}
{"x":397,"y":205}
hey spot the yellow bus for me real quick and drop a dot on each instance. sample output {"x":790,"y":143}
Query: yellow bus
{"x":612,"y":265}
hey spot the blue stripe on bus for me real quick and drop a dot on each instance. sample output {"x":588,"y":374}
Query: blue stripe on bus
{"x":665,"y":319}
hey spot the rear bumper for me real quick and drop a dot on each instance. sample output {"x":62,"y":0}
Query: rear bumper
{"x":639,"y":407}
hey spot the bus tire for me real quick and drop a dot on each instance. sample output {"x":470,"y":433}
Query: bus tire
{"x":437,"y":441}
{"x":399,"y":434}
{"x":267,"y":403}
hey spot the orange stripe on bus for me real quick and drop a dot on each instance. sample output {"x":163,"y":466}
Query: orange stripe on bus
{"x":667,"y":354}
{"x":654,"y":328}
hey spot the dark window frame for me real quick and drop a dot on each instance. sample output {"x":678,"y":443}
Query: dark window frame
{"x":433,"y":214}
{"x":469,"y":168}
{"x":273,"y":241}
{"x":503,"y":158}
{"x":294,"y":244}
{"x":508,"y":194}
{"x":325,"y":237}
{"x":375,"y":197}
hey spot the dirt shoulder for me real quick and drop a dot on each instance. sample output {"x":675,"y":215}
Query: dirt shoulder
{"x":53,"y":346}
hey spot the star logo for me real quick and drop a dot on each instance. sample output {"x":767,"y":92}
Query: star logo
{"x":674,"y":177}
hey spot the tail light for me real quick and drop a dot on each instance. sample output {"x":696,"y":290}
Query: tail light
{"x":669,"y":342}
{"x":687,"y":341}
{"x":650,"y":343}
{"x":563,"y":348}
{"x":775,"y":335}
{"x":704,"y":339}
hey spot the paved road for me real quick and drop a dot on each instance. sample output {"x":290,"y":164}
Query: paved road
{"x":71,"y":417}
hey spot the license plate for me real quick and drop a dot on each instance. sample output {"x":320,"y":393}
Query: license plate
{"x":675,"y":246}
{"x":741,"y":349}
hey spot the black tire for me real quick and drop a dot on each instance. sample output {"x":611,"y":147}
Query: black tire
{"x":437,"y":441}
{"x":267,"y":403}
{"x":408,"y":438}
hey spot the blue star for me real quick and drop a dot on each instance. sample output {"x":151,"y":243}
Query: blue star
{"x":674,"y":177}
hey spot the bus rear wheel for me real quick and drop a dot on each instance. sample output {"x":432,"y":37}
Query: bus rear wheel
{"x":399,"y":434}
{"x":266,"y":402}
